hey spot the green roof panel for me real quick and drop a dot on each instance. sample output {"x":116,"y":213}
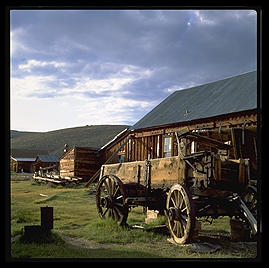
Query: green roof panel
{"x":233,"y":94}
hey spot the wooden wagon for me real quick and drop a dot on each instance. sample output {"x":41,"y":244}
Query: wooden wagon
{"x":209,"y":180}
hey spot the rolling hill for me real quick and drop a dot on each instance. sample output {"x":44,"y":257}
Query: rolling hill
{"x":86,"y":136}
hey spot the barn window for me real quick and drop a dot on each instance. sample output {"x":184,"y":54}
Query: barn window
{"x":158,"y":146}
{"x":167,"y":146}
{"x":193,"y":147}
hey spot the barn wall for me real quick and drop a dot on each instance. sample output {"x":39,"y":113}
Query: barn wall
{"x":107,"y":153}
{"x":150,"y":142}
{"x":26,"y":166}
{"x":67,"y":164}
{"x":86,"y":162}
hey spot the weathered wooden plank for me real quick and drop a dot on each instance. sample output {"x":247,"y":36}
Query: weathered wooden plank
{"x":126,"y":172}
{"x":163,"y":171}
{"x":149,"y":133}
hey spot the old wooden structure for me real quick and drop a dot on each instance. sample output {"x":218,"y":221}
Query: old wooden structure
{"x":80,"y":162}
{"x":194,"y":155}
{"x":43,"y":161}
{"x":21,"y":160}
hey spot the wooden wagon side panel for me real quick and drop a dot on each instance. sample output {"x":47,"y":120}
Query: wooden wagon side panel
{"x":167,"y":171}
{"x":126,"y":172}
{"x":163,"y":171}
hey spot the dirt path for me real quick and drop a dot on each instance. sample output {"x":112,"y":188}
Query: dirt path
{"x":83,"y":243}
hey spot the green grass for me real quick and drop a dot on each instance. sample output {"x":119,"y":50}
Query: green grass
{"x":75,"y":215}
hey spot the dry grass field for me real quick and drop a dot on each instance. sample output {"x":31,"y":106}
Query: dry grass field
{"x":78,"y":232}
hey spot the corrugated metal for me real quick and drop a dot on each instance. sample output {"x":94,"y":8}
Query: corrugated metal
{"x":48,"y":158}
{"x":234,"y":94}
{"x":23,"y":159}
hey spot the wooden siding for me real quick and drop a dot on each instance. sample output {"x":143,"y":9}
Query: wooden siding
{"x":19,"y":166}
{"x":149,"y":143}
{"x":79,"y":162}
{"x":67,"y":164}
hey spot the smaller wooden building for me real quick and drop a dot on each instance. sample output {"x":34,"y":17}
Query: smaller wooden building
{"x":22,"y":164}
{"x":43,"y":161}
{"x":80,"y":162}
{"x":21,"y":160}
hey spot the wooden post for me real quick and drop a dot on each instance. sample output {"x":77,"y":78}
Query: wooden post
{"x":47,"y":217}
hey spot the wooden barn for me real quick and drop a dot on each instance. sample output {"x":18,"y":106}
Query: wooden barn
{"x":21,"y":160}
{"x":43,"y":161}
{"x":80,"y":162}
{"x":229,"y":103}
{"x":225,"y":106}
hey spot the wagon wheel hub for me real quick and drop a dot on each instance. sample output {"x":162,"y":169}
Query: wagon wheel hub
{"x":107,"y":202}
{"x":174,"y":214}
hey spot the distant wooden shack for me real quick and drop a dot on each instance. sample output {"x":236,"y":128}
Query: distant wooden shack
{"x":43,"y":161}
{"x":80,"y":162}
{"x":21,"y":160}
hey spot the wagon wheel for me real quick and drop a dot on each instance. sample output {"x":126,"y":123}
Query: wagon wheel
{"x":180,"y":214}
{"x":110,"y":199}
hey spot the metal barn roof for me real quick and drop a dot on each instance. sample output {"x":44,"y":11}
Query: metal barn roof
{"x":48,"y":158}
{"x":233,"y":94}
{"x":23,"y":159}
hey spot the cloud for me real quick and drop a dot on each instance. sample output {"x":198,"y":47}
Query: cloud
{"x":32,"y":86}
{"x":100,"y":111}
{"x":35,"y":63}
{"x":136,"y":56}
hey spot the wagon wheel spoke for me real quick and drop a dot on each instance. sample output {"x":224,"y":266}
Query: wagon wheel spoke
{"x":174,"y":226}
{"x":181,"y":228}
{"x":104,"y":212}
{"x":173,"y":200}
{"x":117,"y":188}
{"x":105,"y":185}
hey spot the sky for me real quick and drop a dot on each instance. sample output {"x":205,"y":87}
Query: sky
{"x":72,"y":68}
